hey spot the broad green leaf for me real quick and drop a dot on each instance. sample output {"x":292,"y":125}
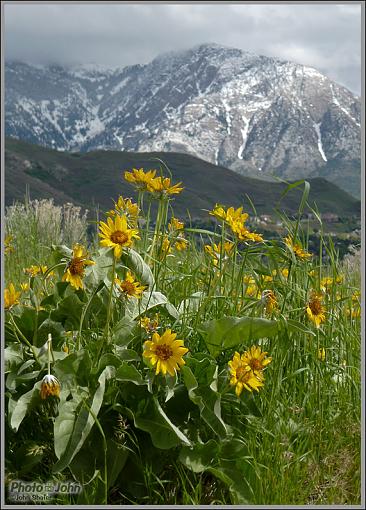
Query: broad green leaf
{"x":200,"y":457}
{"x":228,"y":332}
{"x":105,"y":360}
{"x":126,"y":354}
{"x":84,"y":422}
{"x":136,"y":307}
{"x":64,"y":425}
{"x":152,"y":419}
{"x":74,"y":369}
{"x":202,"y":390}
{"x":13,"y":356}
{"x":116,"y":459}
{"x":227,"y":460}
{"x":23,"y":405}
{"x":61,"y":251}
{"x":138,"y":266}
{"x":50,"y":326}
{"x":122,"y":331}
{"x":98,"y":272}
{"x":68,"y":312}
{"x":127,"y":372}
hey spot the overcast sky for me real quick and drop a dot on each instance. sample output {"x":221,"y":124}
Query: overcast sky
{"x":327,"y":36}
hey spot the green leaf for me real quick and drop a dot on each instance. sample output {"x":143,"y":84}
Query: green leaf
{"x":122,"y":331}
{"x":64,"y":425}
{"x":84,"y":422}
{"x":98,"y":272}
{"x":200,"y":378}
{"x":200,"y":457}
{"x":74,"y":369}
{"x":61,"y":251}
{"x":226,"y":333}
{"x":136,"y":263}
{"x":21,"y":407}
{"x":50,"y":326}
{"x":116,"y":459}
{"x":13,"y":356}
{"x":127,"y":372}
{"x":152,"y":419}
{"x":127,"y":354}
{"x":68,"y":312}
{"x":136,"y":307}
{"x":227,"y":461}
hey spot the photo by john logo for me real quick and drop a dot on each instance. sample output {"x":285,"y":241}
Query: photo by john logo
{"x":28,"y":490}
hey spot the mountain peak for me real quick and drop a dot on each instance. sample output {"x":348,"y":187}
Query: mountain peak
{"x":257,"y":115}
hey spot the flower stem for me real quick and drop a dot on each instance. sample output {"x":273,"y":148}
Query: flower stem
{"x":106,"y":331}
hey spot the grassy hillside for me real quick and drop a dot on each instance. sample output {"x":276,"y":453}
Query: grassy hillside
{"x":95,"y":178}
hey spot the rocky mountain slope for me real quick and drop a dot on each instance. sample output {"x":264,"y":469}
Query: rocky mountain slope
{"x":257,"y":115}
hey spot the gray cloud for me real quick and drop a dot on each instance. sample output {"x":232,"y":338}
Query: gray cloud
{"x":325,"y":36}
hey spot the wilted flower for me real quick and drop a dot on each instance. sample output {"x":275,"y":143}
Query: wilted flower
{"x":50,"y":387}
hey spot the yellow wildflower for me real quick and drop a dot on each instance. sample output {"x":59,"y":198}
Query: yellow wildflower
{"x":11,"y":296}
{"x":150,"y":325}
{"x":315,"y":310}
{"x":181,"y":244}
{"x":166,"y":352}
{"x":269,"y":300}
{"x":33,"y":271}
{"x":321,"y":354}
{"x":175,"y":224}
{"x":139,"y":178}
{"x":75,"y":269}
{"x":8,"y":248}
{"x":163,"y":186}
{"x":246,"y":370}
{"x":125,"y":206}
{"x":129,"y":286}
{"x":116,"y":234}
{"x":297,"y":249}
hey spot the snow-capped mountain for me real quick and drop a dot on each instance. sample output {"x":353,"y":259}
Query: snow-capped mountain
{"x":254,"y":114}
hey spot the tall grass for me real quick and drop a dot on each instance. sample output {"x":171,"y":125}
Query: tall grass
{"x":34,"y":226}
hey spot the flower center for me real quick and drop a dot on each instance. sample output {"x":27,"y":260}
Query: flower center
{"x":255,"y":364}
{"x":242,"y":373}
{"x":315,"y":307}
{"x":76,"y":266}
{"x":119,"y":237}
{"x":128,"y":288}
{"x":163,"y":352}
